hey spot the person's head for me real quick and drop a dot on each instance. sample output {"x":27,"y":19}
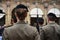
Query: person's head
{"x":51,"y":17}
{"x":2,"y":17}
{"x":19,"y":12}
{"x":41,"y":21}
{"x":13,"y":20}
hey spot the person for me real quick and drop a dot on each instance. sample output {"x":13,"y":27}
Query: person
{"x":2,"y":18}
{"x":40,"y":22}
{"x":21,"y":30}
{"x":2,"y":21}
{"x":50,"y":31}
{"x":13,"y":19}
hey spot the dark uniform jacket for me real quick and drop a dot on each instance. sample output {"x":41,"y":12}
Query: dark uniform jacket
{"x":21,"y":31}
{"x":49,"y":32}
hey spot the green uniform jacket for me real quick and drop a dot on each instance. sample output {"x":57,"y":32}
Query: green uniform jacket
{"x":21,"y":31}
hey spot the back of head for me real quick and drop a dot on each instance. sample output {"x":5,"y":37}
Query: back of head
{"x":13,"y":16}
{"x":22,"y":6}
{"x":21,"y":11}
{"x":51,"y":16}
{"x":41,"y":21}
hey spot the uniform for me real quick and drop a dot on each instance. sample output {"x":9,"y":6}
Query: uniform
{"x":21,"y":31}
{"x":49,"y":31}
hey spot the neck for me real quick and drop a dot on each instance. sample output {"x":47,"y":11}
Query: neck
{"x":51,"y":21}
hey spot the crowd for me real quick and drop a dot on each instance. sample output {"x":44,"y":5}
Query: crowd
{"x":20,"y":30}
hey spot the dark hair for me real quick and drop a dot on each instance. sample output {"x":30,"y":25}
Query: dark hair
{"x":22,"y":6}
{"x":41,"y":21}
{"x":19,"y":14}
{"x":13,"y":15}
{"x":52,"y":16}
{"x":22,"y":15}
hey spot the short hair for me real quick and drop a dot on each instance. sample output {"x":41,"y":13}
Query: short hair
{"x":22,"y":6}
{"x":22,"y":15}
{"x":13,"y":15}
{"x":52,"y":16}
{"x":14,"y":10}
{"x":41,"y":21}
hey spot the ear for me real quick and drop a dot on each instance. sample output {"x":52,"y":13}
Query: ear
{"x":12,"y":21}
{"x":25,"y":14}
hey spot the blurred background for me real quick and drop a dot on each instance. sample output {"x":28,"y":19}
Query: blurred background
{"x":36,"y":7}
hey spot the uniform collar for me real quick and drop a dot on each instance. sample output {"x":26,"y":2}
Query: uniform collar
{"x":51,"y":22}
{"x":21,"y":22}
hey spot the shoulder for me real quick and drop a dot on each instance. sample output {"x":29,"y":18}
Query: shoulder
{"x":9,"y":29}
{"x":57,"y":28}
{"x":45,"y":27}
{"x":31,"y":30}
{"x":57,"y":25}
